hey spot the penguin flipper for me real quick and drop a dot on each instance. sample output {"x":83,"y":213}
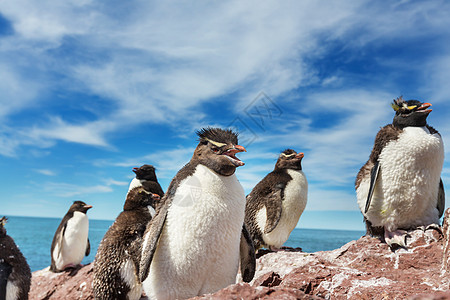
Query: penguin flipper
{"x":88,"y":248}
{"x":247,"y":255}
{"x":150,"y":240}
{"x":273,"y":210}
{"x":5,"y":270}
{"x":373,"y":180}
{"x":441,"y":199}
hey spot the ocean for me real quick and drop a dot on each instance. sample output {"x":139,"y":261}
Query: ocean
{"x":34,"y":237}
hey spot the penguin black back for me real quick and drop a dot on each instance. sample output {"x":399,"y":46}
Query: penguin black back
{"x":14,"y":268}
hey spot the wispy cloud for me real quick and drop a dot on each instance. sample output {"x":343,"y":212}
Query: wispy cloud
{"x":45,"y":172}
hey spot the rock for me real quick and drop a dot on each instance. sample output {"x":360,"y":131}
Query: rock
{"x":362,"y":269}
{"x":65,"y":285}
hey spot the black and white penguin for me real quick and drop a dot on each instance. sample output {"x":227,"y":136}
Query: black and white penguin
{"x":15,"y":274}
{"x":116,"y":264}
{"x":195,"y":242}
{"x":146,"y":177}
{"x":399,"y":188}
{"x":71,"y":243}
{"x":276,"y":203}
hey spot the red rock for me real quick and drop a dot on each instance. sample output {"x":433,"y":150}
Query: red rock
{"x":362,"y":269}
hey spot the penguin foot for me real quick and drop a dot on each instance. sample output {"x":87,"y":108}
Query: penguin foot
{"x":396,"y":239}
{"x":436,"y":227}
{"x":275,"y":249}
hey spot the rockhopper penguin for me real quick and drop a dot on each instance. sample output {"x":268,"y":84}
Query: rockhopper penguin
{"x":399,"y":188}
{"x":276,"y":203}
{"x":146,"y":177}
{"x":194,"y":243}
{"x":15,"y":274}
{"x":116,"y":264}
{"x":70,"y":242}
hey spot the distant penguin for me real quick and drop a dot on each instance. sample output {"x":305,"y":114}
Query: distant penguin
{"x":147,"y":174}
{"x":15,"y":274}
{"x":276,"y":203}
{"x":195,"y":242}
{"x":70,"y":242}
{"x":116,"y":264}
{"x":146,"y":177}
{"x":399,"y":188}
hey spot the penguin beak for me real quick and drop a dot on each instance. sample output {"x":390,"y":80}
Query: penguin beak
{"x":424,"y":107}
{"x":88,"y":206}
{"x":135,"y":170}
{"x":300,"y":155}
{"x":156,"y":197}
{"x":230,"y":153}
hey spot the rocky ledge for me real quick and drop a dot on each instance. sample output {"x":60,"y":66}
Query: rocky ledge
{"x":362,"y":269}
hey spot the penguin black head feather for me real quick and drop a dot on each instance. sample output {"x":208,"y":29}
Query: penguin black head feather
{"x":139,"y":197}
{"x":216,"y":150}
{"x":3,"y":221}
{"x":79,"y":206}
{"x":145,"y":172}
{"x":410,"y":113}
{"x":289,"y":159}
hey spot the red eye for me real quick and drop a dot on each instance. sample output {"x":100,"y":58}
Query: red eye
{"x":215,"y":150}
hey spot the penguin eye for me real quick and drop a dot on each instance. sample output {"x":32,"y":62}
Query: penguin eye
{"x":215,"y":150}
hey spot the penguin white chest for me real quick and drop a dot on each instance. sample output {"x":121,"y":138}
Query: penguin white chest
{"x":74,"y":241}
{"x":198,"y":251}
{"x":293,"y":205}
{"x":407,"y":188}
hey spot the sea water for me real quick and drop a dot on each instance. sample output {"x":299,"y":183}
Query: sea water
{"x":34,"y":237}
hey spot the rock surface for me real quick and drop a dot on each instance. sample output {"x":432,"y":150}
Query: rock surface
{"x":362,"y":269}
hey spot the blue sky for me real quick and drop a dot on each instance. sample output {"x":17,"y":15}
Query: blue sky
{"x":91,"y":89}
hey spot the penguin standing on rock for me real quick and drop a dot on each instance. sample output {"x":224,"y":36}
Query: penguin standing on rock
{"x":276,"y":203}
{"x":15,"y":274}
{"x":399,"y":188}
{"x":71,"y":243}
{"x":194,"y":243}
{"x":116,"y":264}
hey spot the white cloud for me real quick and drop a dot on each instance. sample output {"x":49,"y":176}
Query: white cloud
{"x":45,"y":172}
{"x":72,"y":190}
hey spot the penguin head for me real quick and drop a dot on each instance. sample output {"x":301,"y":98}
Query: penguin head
{"x":2,"y":226}
{"x":410,"y":113}
{"x":289,"y":159}
{"x":139,"y":197}
{"x":145,"y":172}
{"x":217,"y":149}
{"x":79,"y":206}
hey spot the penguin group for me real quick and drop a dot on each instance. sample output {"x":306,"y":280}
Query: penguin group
{"x":203,"y":231}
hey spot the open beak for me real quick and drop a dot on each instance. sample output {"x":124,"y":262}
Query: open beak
{"x":135,"y":170}
{"x":230,"y":153}
{"x":300,"y":155}
{"x":424,"y":107}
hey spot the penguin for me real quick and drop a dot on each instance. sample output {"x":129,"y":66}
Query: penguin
{"x":276,"y":203}
{"x":146,"y":174}
{"x":116,"y":264}
{"x":146,"y":177}
{"x":15,"y":274}
{"x":399,"y":188}
{"x":70,"y":242}
{"x":195,"y":242}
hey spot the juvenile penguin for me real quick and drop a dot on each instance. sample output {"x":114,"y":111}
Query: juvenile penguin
{"x":399,"y":188}
{"x":116,"y":264}
{"x":70,"y":242}
{"x":276,"y":203}
{"x":194,"y":243}
{"x":15,"y":274}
